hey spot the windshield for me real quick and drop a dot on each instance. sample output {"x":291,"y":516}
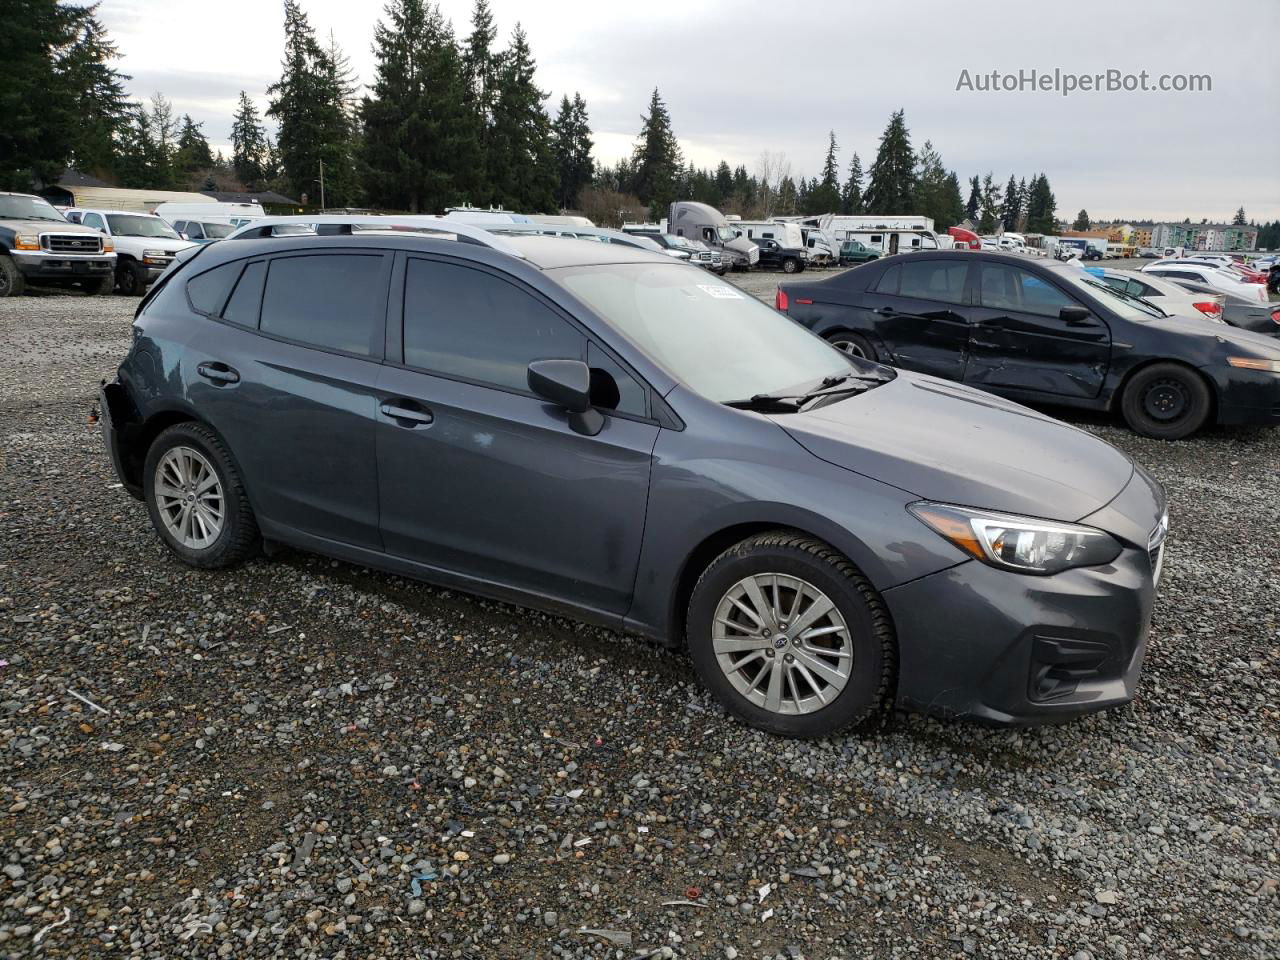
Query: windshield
{"x":127,"y":225}
{"x":718,"y":341}
{"x":217,"y":231}
{"x":28,"y":208}
{"x":1129,"y":307}
{"x":725,"y":234}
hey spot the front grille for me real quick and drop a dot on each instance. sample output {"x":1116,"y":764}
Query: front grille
{"x":71,"y":243}
{"x":1155,"y":546}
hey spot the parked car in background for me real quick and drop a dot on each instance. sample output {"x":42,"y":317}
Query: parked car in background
{"x":204,"y":231}
{"x":237,"y":214}
{"x":1166,"y":294}
{"x":774,"y":254}
{"x":1042,"y":332}
{"x":1239,"y":311}
{"x":145,"y":245}
{"x":855,"y":251}
{"x":599,"y":431}
{"x":1222,"y":280}
{"x":39,"y":246}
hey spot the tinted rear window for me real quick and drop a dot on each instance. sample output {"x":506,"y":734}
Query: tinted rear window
{"x":208,"y":291}
{"x":326,"y":300}
{"x":245,"y":300}
{"x":934,"y":280}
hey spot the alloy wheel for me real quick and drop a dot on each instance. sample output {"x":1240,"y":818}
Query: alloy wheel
{"x":850,"y":347}
{"x":189,"y":497}
{"x":782,"y":643}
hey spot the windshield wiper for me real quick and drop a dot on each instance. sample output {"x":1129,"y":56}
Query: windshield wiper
{"x":828,"y":387}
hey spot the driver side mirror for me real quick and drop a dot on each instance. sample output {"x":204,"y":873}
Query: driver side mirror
{"x":567,"y":384}
{"x":1075,"y":316}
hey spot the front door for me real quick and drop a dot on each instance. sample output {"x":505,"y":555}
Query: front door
{"x":1019,"y":341}
{"x":921,"y":315}
{"x":479,"y":477}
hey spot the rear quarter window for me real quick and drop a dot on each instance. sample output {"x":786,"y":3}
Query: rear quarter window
{"x":208,"y":291}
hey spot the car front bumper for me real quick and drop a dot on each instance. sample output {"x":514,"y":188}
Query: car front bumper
{"x":1008,"y":648}
{"x":53,"y":266}
{"x":1245,"y":396}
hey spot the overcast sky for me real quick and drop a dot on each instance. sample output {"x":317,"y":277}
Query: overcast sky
{"x":744,"y":77}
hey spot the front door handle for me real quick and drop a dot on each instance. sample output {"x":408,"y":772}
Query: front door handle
{"x":218,"y":372}
{"x":406,"y":415}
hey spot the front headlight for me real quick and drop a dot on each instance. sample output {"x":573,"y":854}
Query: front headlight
{"x":1022,"y":544}
{"x":27,"y":241}
{"x":1251,"y":363}
{"x":108,"y":245}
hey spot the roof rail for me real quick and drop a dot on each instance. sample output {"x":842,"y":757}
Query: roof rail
{"x":345,"y":224}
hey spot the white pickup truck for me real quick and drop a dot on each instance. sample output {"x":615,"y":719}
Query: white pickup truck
{"x":145,"y":244}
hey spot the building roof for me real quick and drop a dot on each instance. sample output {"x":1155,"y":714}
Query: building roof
{"x":72,"y":177}
{"x":263,"y":197}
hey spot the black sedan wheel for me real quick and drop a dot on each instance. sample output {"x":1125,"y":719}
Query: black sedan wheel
{"x":853,"y":344}
{"x":1166,"y":401}
{"x":790,"y":637}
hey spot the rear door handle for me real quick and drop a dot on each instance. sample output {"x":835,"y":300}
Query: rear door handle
{"x":406,"y":415}
{"x":218,"y":372}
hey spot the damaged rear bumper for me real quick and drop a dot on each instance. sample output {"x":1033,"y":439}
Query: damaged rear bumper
{"x":114,"y":420}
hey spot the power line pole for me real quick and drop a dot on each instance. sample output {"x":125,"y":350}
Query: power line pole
{"x":323,"y":205}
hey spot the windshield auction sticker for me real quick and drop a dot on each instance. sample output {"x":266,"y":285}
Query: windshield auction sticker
{"x":719,"y":291}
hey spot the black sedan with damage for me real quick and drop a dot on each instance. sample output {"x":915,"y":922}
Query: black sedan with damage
{"x":1044,"y":333}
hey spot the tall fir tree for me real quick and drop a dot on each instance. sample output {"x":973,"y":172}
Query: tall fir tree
{"x":1239,"y":219}
{"x":523,"y":170}
{"x":824,"y":195}
{"x":193,"y":152}
{"x":96,"y":92}
{"x":421,"y":137}
{"x":1082,"y":221}
{"x":952,"y":205}
{"x":1041,"y":206}
{"x":1011,"y":209}
{"x":572,"y":137}
{"x":851,"y":196}
{"x":891,"y":185}
{"x":480,"y":66}
{"x":973,"y":205}
{"x":989,"y":211}
{"x":249,"y":147}
{"x":656,"y":158}
{"x":931,"y":185}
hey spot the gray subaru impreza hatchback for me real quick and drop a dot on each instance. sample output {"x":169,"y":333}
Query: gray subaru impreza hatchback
{"x":609,"y":434}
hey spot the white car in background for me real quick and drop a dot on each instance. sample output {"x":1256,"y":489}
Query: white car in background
{"x":1220,"y":279}
{"x":1167,"y":295}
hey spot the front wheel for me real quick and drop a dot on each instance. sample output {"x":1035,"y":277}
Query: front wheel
{"x":791,"y":637}
{"x":12,"y":282}
{"x":196,"y":498}
{"x":1166,"y":401}
{"x":131,"y":279}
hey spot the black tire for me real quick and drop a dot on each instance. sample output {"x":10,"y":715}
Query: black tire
{"x":854,"y":344}
{"x":100,"y":288}
{"x":870,"y":632}
{"x":239,"y":538}
{"x":12,"y":282}
{"x":131,"y":278}
{"x":790,"y":265}
{"x":1166,"y":401}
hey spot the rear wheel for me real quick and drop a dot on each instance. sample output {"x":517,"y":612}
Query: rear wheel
{"x":853,"y":344}
{"x":196,"y":498}
{"x":12,"y":282}
{"x":1166,"y":401}
{"x":791,"y":265}
{"x":791,"y":637}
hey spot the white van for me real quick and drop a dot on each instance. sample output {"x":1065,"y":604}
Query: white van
{"x":237,"y":214}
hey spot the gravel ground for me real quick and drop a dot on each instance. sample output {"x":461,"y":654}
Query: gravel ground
{"x":300,"y":758}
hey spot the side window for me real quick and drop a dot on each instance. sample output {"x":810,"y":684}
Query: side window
{"x":467,"y":323}
{"x":246,"y":299}
{"x":95,"y":221}
{"x":194,"y":231}
{"x":612,"y":388}
{"x":889,"y":280}
{"x":208,"y":291}
{"x":934,"y":280}
{"x":326,"y":300}
{"x":1010,"y":288}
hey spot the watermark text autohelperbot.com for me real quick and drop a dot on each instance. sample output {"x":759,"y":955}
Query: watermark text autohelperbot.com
{"x":1065,"y":83}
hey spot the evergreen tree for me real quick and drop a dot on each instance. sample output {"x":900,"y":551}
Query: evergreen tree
{"x":96,"y":92}
{"x":522,"y":169}
{"x":480,"y":66}
{"x":572,"y":137}
{"x":892,"y":180}
{"x":974,"y":203}
{"x":851,"y":195}
{"x":1041,"y":207}
{"x":1239,"y":219}
{"x":989,"y":211}
{"x":163,"y":146}
{"x":787,"y":197}
{"x":824,"y":196}
{"x":420,"y":135}
{"x":724,"y":182}
{"x":193,"y":153}
{"x":657,"y":158}
{"x":931,"y":185}
{"x":1082,"y":221}
{"x":952,"y":204}
{"x":312,"y":102}
{"x":1023,"y":198}
{"x":248,"y":145}
{"x":1011,"y":211}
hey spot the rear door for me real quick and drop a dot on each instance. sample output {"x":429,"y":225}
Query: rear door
{"x":1020,"y":342}
{"x":921,"y":314}
{"x":480,"y":477}
{"x":287,"y":374}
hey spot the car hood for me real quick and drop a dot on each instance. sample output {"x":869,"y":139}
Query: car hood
{"x":946,"y":442}
{"x":1255,"y":344}
{"x":45,"y":226}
